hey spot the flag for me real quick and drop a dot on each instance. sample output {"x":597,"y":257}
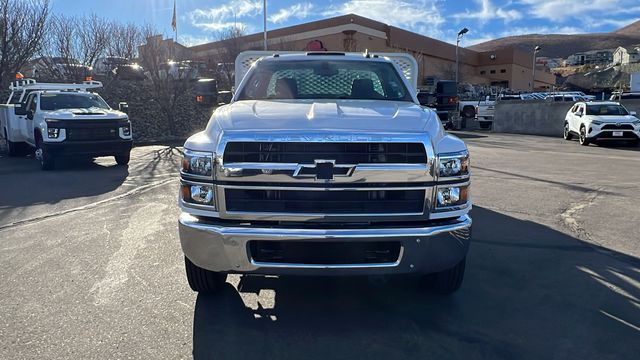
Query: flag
{"x":174,"y":21}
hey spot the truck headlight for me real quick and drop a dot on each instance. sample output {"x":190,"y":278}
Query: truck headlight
{"x":53,"y":133}
{"x":126,"y":130}
{"x":198,"y":163}
{"x":452,"y":196}
{"x":199,"y":194}
{"x":453,"y":165}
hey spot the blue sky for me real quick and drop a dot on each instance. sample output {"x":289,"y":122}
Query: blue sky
{"x":201,"y":20}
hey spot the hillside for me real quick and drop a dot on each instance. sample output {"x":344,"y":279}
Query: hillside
{"x":633,"y":29}
{"x":555,"y":45}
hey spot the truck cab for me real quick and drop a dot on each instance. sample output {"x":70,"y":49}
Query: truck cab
{"x":63,"y":120}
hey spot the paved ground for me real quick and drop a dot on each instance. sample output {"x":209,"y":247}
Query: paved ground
{"x":92,"y":269}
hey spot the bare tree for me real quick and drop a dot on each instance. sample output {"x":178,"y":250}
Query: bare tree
{"x":231,"y":45}
{"x":168,"y":87}
{"x":22,"y":25}
{"x":73,"y":45}
{"x":124,"y":40}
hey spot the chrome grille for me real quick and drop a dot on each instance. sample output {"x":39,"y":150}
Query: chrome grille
{"x":325,"y":202}
{"x":342,"y":153}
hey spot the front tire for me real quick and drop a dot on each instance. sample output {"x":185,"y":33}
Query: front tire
{"x":447,"y":281}
{"x":567,"y":133}
{"x":202,"y":280}
{"x":123,"y":159}
{"x":47,"y":160}
{"x":584,"y":141}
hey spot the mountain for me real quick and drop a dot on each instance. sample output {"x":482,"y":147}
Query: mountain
{"x":555,"y":45}
{"x":633,"y":29}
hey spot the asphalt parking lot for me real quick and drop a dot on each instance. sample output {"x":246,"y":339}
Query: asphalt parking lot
{"x":92,"y":269}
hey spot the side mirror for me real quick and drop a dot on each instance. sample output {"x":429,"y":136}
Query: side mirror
{"x":123,"y":106}
{"x":19,"y":110}
{"x":633,"y":113}
{"x":30,"y":114}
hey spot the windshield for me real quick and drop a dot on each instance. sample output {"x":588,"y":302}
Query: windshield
{"x":606,"y":110}
{"x":333,"y":79}
{"x":71,"y":101}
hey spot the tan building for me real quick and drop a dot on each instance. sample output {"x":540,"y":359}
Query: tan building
{"x":509,"y":68}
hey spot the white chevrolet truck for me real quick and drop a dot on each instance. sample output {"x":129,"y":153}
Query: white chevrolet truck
{"x":325,"y":164}
{"x":63,"y":120}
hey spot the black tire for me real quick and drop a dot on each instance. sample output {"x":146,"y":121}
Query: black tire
{"x":203,"y":281}
{"x":123,"y":159}
{"x":47,"y":161}
{"x":468,"y":111}
{"x":567,"y":133}
{"x":447,"y":281}
{"x":484,"y":124}
{"x":584,"y":141}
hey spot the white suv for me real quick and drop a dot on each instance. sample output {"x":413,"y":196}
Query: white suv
{"x":602,"y":120}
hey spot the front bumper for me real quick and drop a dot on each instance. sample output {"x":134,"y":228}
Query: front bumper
{"x":627,"y":135}
{"x":89,"y":148}
{"x":220,"y":247}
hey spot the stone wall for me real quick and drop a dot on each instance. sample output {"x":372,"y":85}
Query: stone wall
{"x":148,"y":121}
{"x":531,"y":117}
{"x":538,"y":117}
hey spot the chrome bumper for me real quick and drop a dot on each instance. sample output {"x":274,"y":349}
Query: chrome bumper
{"x":223,"y":248}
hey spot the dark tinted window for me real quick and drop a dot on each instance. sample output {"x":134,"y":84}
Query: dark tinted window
{"x":71,"y":101}
{"x":446,"y":87}
{"x":606,"y":110}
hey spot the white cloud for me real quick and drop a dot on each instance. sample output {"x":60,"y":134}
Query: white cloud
{"x":224,"y":16}
{"x":299,"y":11}
{"x":489,"y":12}
{"x":422,"y":16}
{"x":565,"y":10}
{"x":191,"y":40}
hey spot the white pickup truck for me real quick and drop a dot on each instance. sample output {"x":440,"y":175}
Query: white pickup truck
{"x":61,"y":120}
{"x":325,"y":164}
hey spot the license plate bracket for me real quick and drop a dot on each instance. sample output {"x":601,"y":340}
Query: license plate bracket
{"x":618,"y":133}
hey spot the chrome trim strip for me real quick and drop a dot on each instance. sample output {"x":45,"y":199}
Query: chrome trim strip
{"x":463,"y":223}
{"x":302,"y":188}
{"x":329,"y":266}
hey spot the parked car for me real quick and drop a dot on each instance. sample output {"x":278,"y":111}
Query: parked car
{"x":320,"y":165}
{"x":108,"y":64}
{"x":444,"y":100}
{"x":485,"y":111}
{"x":625,"y":96}
{"x":62,"y":120}
{"x":130,"y":72}
{"x":564,"y":98}
{"x":600,"y":121}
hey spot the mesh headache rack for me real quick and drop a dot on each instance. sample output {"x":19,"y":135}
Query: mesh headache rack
{"x":405,"y":62}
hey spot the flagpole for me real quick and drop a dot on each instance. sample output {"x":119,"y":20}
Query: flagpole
{"x":174,"y":14}
{"x":264,"y":11}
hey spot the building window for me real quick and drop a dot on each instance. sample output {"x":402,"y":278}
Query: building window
{"x":503,"y":71}
{"x":492,"y":71}
{"x":482,"y":72}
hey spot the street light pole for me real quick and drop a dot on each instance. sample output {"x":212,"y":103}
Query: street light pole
{"x":460,"y":33}
{"x":264,"y":10}
{"x":533,"y":68}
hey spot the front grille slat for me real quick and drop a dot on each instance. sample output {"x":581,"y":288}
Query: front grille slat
{"x":97,"y":133}
{"x":342,"y":153}
{"x":616,"y":127}
{"x":323,"y":202}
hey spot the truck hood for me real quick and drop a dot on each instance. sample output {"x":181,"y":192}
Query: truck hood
{"x":85,"y":114}
{"x":337,"y":115}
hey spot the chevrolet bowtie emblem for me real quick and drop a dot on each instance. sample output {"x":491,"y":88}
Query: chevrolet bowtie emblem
{"x":324,"y":170}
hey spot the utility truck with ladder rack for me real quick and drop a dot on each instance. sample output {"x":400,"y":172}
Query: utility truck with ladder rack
{"x":63,"y":120}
